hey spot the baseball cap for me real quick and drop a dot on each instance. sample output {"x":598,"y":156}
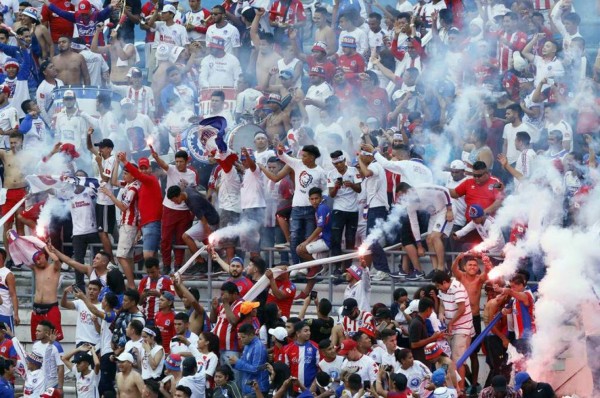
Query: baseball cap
{"x":521,"y":378}
{"x":83,"y":357}
{"x":458,"y":165}
{"x":349,"y":41}
{"x":248,"y":306}
{"x":476,"y":211}
{"x":432,"y":351}
{"x":320,"y":46}
{"x":398,"y":94}
{"x":286,"y":74}
{"x":69,"y":94}
{"x":279,"y":333}
{"x":134,"y":71}
{"x":274,"y":99}
{"x":163,"y":51}
{"x":442,"y":392}
{"x":31,"y":12}
{"x":173,"y":362}
{"x":412,"y":307}
{"x":125,"y":357}
{"x":347,"y":346}
{"x":189,"y":363}
{"x":317,"y":71}
{"x":368,"y":330}
{"x":438,"y":377}
{"x":34,"y":358}
{"x":355,"y":271}
{"x":11,"y":62}
{"x":499,"y":383}
{"x":105,"y":143}
{"x":84,"y":7}
{"x":349,"y":305}
{"x":217,"y":42}
{"x":126,"y":102}
{"x":169,"y":8}
{"x":383,"y":313}
{"x":70,"y":150}
{"x":51,"y":393}
{"x":169,"y":296}
{"x":143,"y":162}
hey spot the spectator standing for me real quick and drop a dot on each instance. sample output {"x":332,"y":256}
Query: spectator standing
{"x":417,"y":331}
{"x":282,"y":291}
{"x":9,"y":307}
{"x":58,"y":26}
{"x":184,"y":338}
{"x":129,"y":311}
{"x":219,"y":68}
{"x":44,"y":90}
{"x":222,"y":28}
{"x":366,"y":367}
{"x":45,"y":336}
{"x":165,"y":319}
{"x":85,"y":329}
{"x":151,"y":288}
{"x":253,"y":204}
{"x":225,"y":317}
{"x":521,"y":312}
{"x":235,"y":269}
{"x":251,"y":364}
{"x":302,"y":355}
{"x":86,"y":368}
{"x":153,"y":353}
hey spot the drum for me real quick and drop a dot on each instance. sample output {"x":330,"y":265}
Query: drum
{"x":173,"y":125}
{"x":86,"y":99}
{"x":242,"y":136}
{"x":189,"y":140}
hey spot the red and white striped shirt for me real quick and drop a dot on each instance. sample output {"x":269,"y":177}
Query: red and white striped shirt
{"x":129,"y":197}
{"x":227,"y":332}
{"x":162,"y":284}
{"x":540,"y":5}
{"x":351,"y":326}
{"x":142,"y":98}
{"x":516,"y":42}
{"x":455,"y":294}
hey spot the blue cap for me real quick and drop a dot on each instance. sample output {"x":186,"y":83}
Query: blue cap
{"x":439,"y":377}
{"x":521,"y":378}
{"x":286,"y":74}
{"x":169,"y":296}
{"x":237,"y":259}
{"x":476,"y":211}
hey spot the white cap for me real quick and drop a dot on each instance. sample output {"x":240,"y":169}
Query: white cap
{"x":125,"y":357}
{"x":279,"y":333}
{"x":412,"y":307}
{"x":126,"y":101}
{"x":499,"y":10}
{"x":398,"y":94}
{"x":169,"y":8}
{"x":163,"y":52}
{"x":69,"y":93}
{"x":132,"y":71}
{"x":458,"y":165}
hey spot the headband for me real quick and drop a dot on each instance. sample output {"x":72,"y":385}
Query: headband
{"x":398,"y":136}
{"x":77,"y":46}
{"x":339,"y":159}
{"x":263,"y":135}
{"x":366,"y":153}
{"x":149,"y":332}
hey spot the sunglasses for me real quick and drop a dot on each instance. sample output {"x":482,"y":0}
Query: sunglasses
{"x":479,"y":175}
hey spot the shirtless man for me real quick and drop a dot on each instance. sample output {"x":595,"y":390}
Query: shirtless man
{"x":324,"y":32}
{"x":473,"y":281}
{"x":45,"y":301}
{"x":70,"y":65}
{"x":277,"y":123}
{"x":14,"y":180}
{"x":266,"y":61}
{"x":129,"y":382}
{"x":496,"y":342}
{"x":195,"y":311}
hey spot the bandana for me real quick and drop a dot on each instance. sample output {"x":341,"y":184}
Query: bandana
{"x":149,"y":332}
{"x":339,"y":159}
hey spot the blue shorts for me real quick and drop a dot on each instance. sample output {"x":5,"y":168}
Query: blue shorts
{"x":151,"y":235}
{"x":9,"y":320}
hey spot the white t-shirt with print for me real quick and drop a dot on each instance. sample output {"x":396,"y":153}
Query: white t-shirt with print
{"x":184,"y":179}
{"x":174,"y":35}
{"x":85,"y":331}
{"x":107,"y":169}
{"x":83,"y":212}
{"x":345,"y":199}
{"x":304,"y":180}
{"x":87,"y":386}
{"x":228,"y":32}
{"x":253,"y":189}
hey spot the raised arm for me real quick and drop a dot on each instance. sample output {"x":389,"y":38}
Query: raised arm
{"x":77,"y":266}
{"x":163,"y":165}
{"x":529,"y":47}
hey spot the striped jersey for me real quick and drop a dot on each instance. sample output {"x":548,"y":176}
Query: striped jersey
{"x":227,"y":332}
{"x":458,"y":294}
{"x":523,"y":317}
{"x":351,"y":326}
{"x":162,"y":284}
{"x":303,"y":360}
{"x":129,"y":197}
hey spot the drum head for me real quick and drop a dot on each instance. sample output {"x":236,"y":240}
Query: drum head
{"x":189,"y":140}
{"x":242,"y":136}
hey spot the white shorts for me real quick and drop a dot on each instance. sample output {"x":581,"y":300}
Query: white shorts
{"x":197,"y":232}
{"x":318,"y":246}
{"x":438,"y":223}
{"x":127,"y":234}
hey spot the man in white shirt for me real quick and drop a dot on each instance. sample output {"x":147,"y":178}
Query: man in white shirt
{"x":106,"y":124}
{"x":105,"y":208}
{"x":95,"y":62}
{"x":184,"y":338}
{"x":375,"y":185}
{"x":69,"y":124}
{"x":219,"y":69}
{"x":524,"y":162}
{"x":9,"y":120}
{"x":141,"y":96}
{"x":138,"y":127}
{"x":554,"y":120}
{"x":317,"y":93}
{"x":85,"y":329}
{"x":44,"y":96}
{"x":167,"y":30}
{"x":412,"y":170}
{"x":223,"y":29}
{"x":253,"y":203}
{"x":514,"y":115}
{"x":347,"y":23}
{"x":365,"y":365}
{"x":195,"y":21}
{"x":42,"y":335}
{"x":359,"y":286}
{"x":176,"y":218}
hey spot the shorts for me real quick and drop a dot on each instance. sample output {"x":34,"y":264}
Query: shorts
{"x":33,"y":212}
{"x":318,"y":246}
{"x":477,"y":326}
{"x":106,"y":218}
{"x":406,"y":235}
{"x":438,"y":223}
{"x":459,"y":343}
{"x":197,"y":233}
{"x":151,"y":235}
{"x":284,"y":212}
{"x":127,"y":234}
{"x":13,"y":196}
{"x":9,"y":320}
{"x":49,"y":312}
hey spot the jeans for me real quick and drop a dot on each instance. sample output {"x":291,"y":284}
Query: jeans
{"x":374,"y":214}
{"x":341,"y":220}
{"x":302,"y":225}
{"x":108,"y":371}
{"x":151,"y":235}
{"x":80,"y":245}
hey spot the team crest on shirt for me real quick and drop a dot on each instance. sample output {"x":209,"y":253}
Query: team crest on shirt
{"x":353,"y":63}
{"x":167,"y":322}
{"x":377,"y":102}
{"x":414,"y":383}
{"x":3,"y":349}
{"x":491,"y":187}
{"x":305,"y":179}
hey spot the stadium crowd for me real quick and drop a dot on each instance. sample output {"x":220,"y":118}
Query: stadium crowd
{"x":295,"y":125}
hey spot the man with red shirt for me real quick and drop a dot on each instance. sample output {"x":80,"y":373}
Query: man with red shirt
{"x":236,"y":271}
{"x":165,"y":319}
{"x":352,"y":63}
{"x":282,"y":291}
{"x":58,"y":26}
{"x":482,"y":189}
{"x":151,"y":288}
{"x":226,"y":316}
{"x":318,"y":57}
{"x":378,"y":104}
{"x":149,"y":206}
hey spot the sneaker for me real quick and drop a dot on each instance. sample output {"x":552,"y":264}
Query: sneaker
{"x":313,"y":272}
{"x":429,"y":276}
{"x":299,"y":273}
{"x":415,"y":276}
{"x":301,"y":296}
{"x":112,"y":266}
{"x":285,"y":245}
{"x":337,"y":272}
{"x":379,"y":276}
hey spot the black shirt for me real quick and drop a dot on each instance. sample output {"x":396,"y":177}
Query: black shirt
{"x":320,"y":329}
{"x":417,"y":331}
{"x":200,"y":206}
{"x":128,"y":26}
{"x":542,"y":390}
